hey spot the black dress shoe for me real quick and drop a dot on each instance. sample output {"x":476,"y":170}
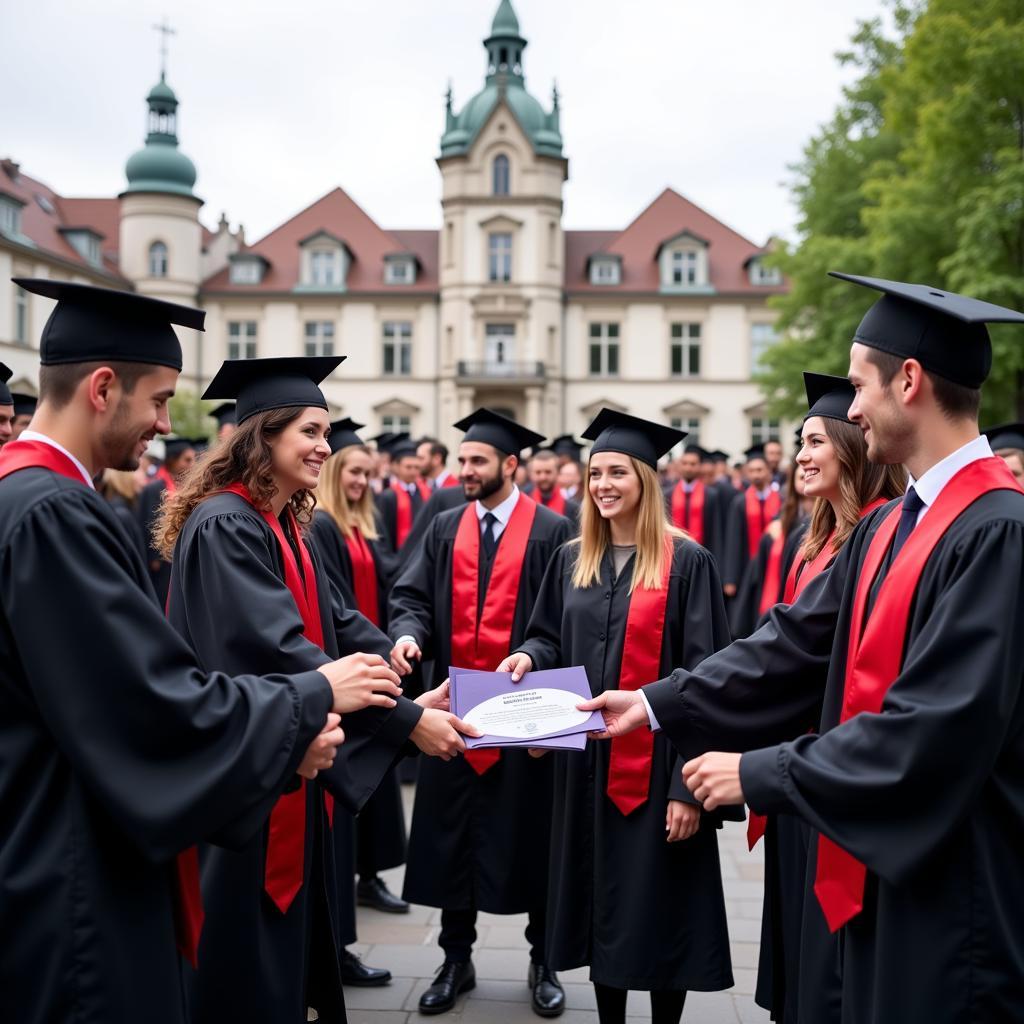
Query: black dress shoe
{"x":454,"y":978}
{"x":355,"y":972}
{"x":372,"y":892}
{"x":548,"y":994}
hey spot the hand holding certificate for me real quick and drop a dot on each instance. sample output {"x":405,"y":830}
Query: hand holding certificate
{"x":540,"y":715}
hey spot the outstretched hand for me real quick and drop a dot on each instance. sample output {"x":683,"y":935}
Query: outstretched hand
{"x":622,"y":710}
{"x":439,"y":698}
{"x":518,"y":664}
{"x":714,"y":779}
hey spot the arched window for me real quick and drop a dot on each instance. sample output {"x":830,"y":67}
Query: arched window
{"x":158,"y":260}
{"x":500,"y":175}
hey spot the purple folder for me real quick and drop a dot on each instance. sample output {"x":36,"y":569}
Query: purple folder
{"x":538,"y":711}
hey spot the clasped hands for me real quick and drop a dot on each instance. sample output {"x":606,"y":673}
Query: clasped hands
{"x":712,"y":778}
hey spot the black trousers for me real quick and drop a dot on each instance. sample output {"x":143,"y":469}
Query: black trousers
{"x":458,"y":933}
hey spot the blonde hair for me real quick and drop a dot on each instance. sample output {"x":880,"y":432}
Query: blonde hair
{"x":652,"y":527}
{"x":120,"y":482}
{"x":331,"y":496}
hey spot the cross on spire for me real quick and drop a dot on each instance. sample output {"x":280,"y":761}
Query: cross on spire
{"x":165,"y":31}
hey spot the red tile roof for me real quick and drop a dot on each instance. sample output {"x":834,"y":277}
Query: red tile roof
{"x":669,"y":216}
{"x":338,"y":214}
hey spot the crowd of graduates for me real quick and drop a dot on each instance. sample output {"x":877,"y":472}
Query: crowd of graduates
{"x":221,"y":657}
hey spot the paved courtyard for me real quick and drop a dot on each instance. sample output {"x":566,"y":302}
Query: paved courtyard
{"x":407,"y":945}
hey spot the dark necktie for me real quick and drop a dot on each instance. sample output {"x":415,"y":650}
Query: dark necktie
{"x":912,"y":506}
{"x":490,"y":541}
{"x":762,"y":501}
{"x":686,"y":509}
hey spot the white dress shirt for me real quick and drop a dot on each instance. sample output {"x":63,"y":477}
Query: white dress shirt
{"x":34,"y":435}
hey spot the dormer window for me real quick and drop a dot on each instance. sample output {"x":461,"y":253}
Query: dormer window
{"x":325,"y":261}
{"x":246,"y":268}
{"x":684,"y":267}
{"x":684,"y":263}
{"x":500,"y":175}
{"x":760,"y":274}
{"x":605,"y":270}
{"x":400,"y":269}
{"x":86,"y":243}
{"x":322,"y":267}
{"x":10,"y":215}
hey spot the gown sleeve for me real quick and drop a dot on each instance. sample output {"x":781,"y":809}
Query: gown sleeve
{"x":174,"y":755}
{"x":543,"y":641}
{"x":891,"y":787}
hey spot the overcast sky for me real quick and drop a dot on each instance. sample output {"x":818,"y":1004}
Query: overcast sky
{"x":280,"y":102}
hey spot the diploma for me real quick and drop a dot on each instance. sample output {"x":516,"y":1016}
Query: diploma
{"x":539,"y":711}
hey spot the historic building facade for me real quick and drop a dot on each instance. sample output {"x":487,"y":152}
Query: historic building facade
{"x":501,"y":306}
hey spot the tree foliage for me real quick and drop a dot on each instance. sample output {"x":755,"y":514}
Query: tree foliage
{"x":919,"y":176}
{"x":190,"y":416}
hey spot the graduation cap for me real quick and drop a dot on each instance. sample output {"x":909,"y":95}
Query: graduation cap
{"x":755,"y":451}
{"x":566,"y":444}
{"x":828,"y":396}
{"x":99,"y":324}
{"x":509,"y":437}
{"x":24,"y":404}
{"x":613,"y":431}
{"x":275,"y":383}
{"x":343,"y":434}
{"x":943,"y":331}
{"x":1006,"y":435}
{"x":5,"y":393}
{"x":382,"y":440}
{"x":175,"y":446}
{"x":695,"y":449}
{"x":224,"y":413}
{"x":719,"y":456}
{"x":402,"y":446}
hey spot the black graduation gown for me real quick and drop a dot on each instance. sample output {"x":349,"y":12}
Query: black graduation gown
{"x":745,"y":610}
{"x":440,"y":501}
{"x":380,"y":829}
{"x":116,"y":752}
{"x":387,"y":506}
{"x":129,"y":520}
{"x":929,"y":794}
{"x":476,"y":840}
{"x":229,"y":600}
{"x":735,"y":545}
{"x":642,"y":912}
{"x":148,"y":509}
{"x":714,"y":518}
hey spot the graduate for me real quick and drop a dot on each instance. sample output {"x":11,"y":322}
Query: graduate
{"x":24,"y":409}
{"x":118,"y":751}
{"x":912,"y":787}
{"x":433,"y":458}
{"x":246,"y":589}
{"x":347,"y":532}
{"x":120,"y":488}
{"x":694,"y":506}
{"x":179,"y":457}
{"x":1007,"y":442}
{"x":480,"y":825}
{"x":748,"y":517}
{"x":6,"y":405}
{"x":543,"y":473}
{"x":630,"y":597}
{"x":799,"y":978}
{"x":227,"y":421}
{"x":402,"y":501}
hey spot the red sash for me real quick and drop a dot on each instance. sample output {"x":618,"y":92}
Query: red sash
{"x":451,"y":481}
{"x":694,"y":524}
{"x":286,"y":843}
{"x":772,"y":575}
{"x":364,"y":575}
{"x":188,"y":898}
{"x":557,"y":502}
{"x":759,"y":516}
{"x":485,"y":643}
{"x":169,"y":482}
{"x":629,"y":766}
{"x":875,"y":654}
{"x":403,"y":523}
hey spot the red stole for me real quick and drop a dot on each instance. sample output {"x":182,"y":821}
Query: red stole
{"x":451,"y":481}
{"x":482,"y":644}
{"x":286,"y":843}
{"x":772,"y":575}
{"x":188,"y":898}
{"x":875,"y":653}
{"x":364,"y":575}
{"x":759,"y":516}
{"x":689,"y":519}
{"x":169,"y":482}
{"x":404,"y":515}
{"x":629,"y":766}
{"x":557,"y":502}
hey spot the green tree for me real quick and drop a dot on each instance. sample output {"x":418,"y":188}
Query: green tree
{"x":189,"y":415}
{"x":919,"y":176}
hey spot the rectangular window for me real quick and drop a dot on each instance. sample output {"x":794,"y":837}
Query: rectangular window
{"x":763,"y":429}
{"x":684,"y":267}
{"x":10,"y":217}
{"x":396,"y":424}
{"x":691,"y":424}
{"x":319,"y":338}
{"x":500,"y":257}
{"x":604,"y":350}
{"x":244,"y":272}
{"x":321,"y":267}
{"x":20,"y":315}
{"x":399,"y":272}
{"x":685,"y":350}
{"x":241,"y":339}
{"x":397,"y":348}
{"x":499,"y":347}
{"x":604,"y":272}
{"x":760,"y":274}
{"x":762,"y":337}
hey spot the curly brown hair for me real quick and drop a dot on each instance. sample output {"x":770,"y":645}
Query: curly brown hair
{"x":245,"y":457}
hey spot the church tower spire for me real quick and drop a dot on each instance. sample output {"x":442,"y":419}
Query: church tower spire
{"x":505,"y":47}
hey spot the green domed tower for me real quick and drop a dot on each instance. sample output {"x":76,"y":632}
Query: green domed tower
{"x":160,"y":166}
{"x":504,"y":81}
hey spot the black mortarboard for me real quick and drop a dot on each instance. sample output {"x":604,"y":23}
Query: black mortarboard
{"x":97,"y":324}
{"x":24,"y":405}
{"x":695,"y":449}
{"x":275,"y":383}
{"x":225,"y":413}
{"x":566,"y":444}
{"x":343,"y":434}
{"x":498,"y":431}
{"x":755,"y":451}
{"x":1006,"y":435}
{"x":719,"y":456}
{"x":943,"y":331}
{"x":175,"y":446}
{"x":828,"y":396}
{"x":613,"y":431}
{"x":5,"y":394}
{"x":402,"y":447}
{"x":383,"y":439}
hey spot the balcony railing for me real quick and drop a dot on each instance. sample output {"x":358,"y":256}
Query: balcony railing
{"x":485,"y":370}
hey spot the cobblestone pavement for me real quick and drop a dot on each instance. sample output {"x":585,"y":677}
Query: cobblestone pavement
{"x":407,"y":945}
